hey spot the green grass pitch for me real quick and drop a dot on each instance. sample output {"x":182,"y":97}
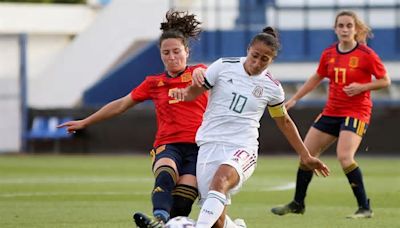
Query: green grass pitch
{"x":104,"y":191}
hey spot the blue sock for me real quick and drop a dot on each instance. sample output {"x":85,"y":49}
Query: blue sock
{"x":161,"y":214}
{"x":162,"y":192}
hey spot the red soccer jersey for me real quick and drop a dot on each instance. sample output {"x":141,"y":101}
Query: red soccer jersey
{"x":342,"y":69}
{"x":177,"y":122}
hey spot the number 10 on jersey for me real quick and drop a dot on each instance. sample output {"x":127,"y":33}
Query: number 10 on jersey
{"x":238,"y":103}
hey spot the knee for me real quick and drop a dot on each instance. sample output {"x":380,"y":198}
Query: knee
{"x":345,"y":160}
{"x":224,"y":179}
{"x":183,"y":198}
{"x":220,"y":184}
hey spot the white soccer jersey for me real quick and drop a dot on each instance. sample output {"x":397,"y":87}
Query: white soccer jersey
{"x":236,"y":103}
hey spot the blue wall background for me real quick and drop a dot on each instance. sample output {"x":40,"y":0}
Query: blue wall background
{"x":297,"y":46}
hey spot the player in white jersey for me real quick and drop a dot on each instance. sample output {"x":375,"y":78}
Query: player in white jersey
{"x":245,"y":97}
{"x":240,"y":91}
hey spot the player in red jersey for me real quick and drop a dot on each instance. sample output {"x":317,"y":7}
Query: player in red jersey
{"x":175,"y":151}
{"x":349,"y":65}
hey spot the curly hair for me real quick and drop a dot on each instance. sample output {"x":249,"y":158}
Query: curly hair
{"x":181,"y":25}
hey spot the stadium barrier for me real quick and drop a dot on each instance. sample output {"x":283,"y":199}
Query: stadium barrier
{"x":133,"y":132}
{"x":44,"y":128}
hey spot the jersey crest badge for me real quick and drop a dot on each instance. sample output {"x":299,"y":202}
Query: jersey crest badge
{"x":186,"y":77}
{"x":258,"y":91}
{"x":353,"y":62}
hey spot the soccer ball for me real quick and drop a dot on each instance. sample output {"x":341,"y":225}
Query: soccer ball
{"x":180,"y":222}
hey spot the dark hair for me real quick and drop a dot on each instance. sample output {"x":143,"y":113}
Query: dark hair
{"x":181,"y":25}
{"x":268,"y":36}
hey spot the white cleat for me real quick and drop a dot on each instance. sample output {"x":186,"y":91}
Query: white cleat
{"x":240,"y":223}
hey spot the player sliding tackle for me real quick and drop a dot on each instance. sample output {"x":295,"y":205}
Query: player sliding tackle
{"x":240,"y":90}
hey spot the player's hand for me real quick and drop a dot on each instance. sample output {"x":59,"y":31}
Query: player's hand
{"x":73,"y":126}
{"x":353,"y":89}
{"x":290,"y":103}
{"x":317,"y":166}
{"x":198,"y":76}
{"x":178,"y":93}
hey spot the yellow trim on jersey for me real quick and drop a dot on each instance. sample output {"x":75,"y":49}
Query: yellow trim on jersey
{"x":277,"y":111}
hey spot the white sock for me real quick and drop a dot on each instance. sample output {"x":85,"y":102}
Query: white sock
{"x":211,"y":210}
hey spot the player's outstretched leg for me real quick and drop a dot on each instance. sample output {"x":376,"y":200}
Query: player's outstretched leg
{"x":144,"y":221}
{"x":292,"y":207}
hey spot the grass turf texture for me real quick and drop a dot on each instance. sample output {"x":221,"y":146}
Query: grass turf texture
{"x":104,"y":191}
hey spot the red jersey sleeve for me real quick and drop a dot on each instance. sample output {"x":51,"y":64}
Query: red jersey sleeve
{"x":376,"y":67}
{"x":322,"y":69}
{"x":141,"y":92}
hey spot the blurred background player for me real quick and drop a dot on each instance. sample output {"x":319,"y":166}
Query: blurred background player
{"x":349,"y":65}
{"x":175,"y":151}
{"x":240,"y":91}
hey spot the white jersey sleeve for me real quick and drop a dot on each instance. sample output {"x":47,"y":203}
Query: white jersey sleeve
{"x":212,"y":73}
{"x":277,"y":95}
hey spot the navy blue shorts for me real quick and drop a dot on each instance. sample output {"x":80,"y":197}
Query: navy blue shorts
{"x":333,"y":125}
{"x":184,"y":155}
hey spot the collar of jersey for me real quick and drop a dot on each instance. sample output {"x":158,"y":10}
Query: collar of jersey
{"x":179,"y":74}
{"x":345,"y":52}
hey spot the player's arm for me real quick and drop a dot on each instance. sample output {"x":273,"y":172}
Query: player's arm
{"x":357,"y":88}
{"x":199,"y":86}
{"x":186,"y":94}
{"x":111,"y":109}
{"x":307,"y":87}
{"x":289,"y":129}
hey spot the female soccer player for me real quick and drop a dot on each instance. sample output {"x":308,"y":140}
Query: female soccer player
{"x":175,"y":151}
{"x":349,"y":65}
{"x":240,"y":91}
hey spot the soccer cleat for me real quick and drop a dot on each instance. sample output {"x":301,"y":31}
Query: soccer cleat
{"x":240,"y":223}
{"x":362,"y":213}
{"x":144,"y":221}
{"x":292,"y":207}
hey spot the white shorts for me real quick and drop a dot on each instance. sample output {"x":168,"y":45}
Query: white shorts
{"x":211,"y":156}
